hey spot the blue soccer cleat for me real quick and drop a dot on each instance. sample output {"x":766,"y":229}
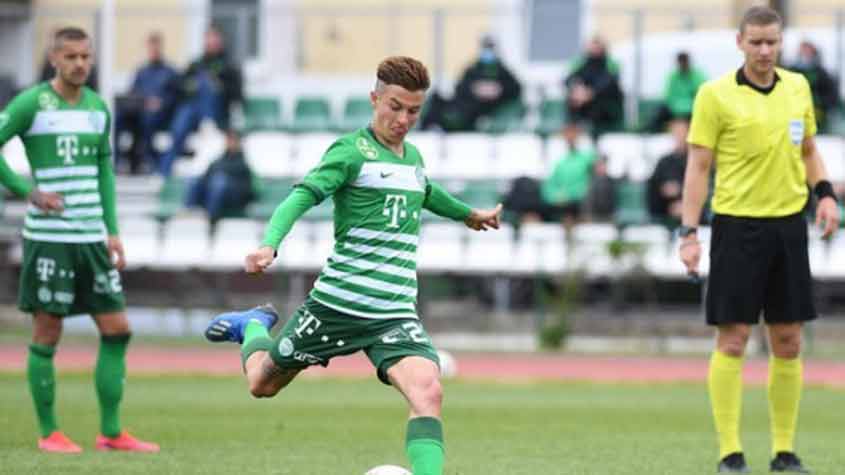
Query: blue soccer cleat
{"x":230,"y":326}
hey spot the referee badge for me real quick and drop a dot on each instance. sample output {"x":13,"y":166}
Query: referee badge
{"x":796,"y":131}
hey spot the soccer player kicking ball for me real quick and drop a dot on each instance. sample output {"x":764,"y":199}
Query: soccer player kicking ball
{"x":757,"y":125}
{"x":365,"y":297}
{"x":71,"y":249}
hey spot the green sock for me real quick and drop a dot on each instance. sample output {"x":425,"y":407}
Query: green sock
{"x":424,"y":445}
{"x":256,"y":338}
{"x":42,"y":385}
{"x":109,"y":377}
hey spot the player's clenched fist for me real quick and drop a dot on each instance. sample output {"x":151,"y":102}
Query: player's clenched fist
{"x":259,"y":260}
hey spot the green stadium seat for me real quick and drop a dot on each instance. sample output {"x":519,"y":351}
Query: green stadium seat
{"x":552,"y":117}
{"x":311,"y":114}
{"x":357,"y":113}
{"x":506,"y":118}
{"x":647,"y":110}
{"x":271,"y":192}
{"x":171,"y":198}
{"x":262,"y":113}
{"x":631,"y":204}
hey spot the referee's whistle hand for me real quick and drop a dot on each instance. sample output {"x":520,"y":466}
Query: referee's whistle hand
{"x":827,"y":216}
{"x":690,"y":255}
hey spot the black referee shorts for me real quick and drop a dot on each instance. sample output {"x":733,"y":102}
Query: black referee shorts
{"x":759,"y":264}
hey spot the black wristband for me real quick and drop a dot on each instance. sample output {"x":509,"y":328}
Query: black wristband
{"x":824,"y":189}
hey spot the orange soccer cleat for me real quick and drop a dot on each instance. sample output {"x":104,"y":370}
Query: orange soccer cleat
{"x":59,"y":443}
{"x":126,"y":442}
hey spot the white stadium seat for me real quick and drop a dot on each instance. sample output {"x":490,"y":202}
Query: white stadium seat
{"x":269,"y":154}
{"x":233,"y":240}
{"x":623,"y":152}
{"x":467,"y":155}
{"x":140,"y":240}
{"x":832,"y":150}
{"x":186,"y":243}
{"x":541,"y":247}
{"x":310,"y":148}
{"x":518,"y":155}
{"x":490,"y":251}
{"x":430,"y":146}
{"x":441,"y":247}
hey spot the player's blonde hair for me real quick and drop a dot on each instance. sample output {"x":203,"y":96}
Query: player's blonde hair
{"x":403,"y":71}
{"x":760,"y":15}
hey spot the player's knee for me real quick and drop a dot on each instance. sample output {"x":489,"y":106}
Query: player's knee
{"x":787,"y":346}
{"x":428,"y":394}
{"x":262,"y":389}
{"x":733,"y":340}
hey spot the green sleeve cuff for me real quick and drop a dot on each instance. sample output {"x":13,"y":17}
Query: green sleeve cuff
{"x":441,"y":203}
{"x":292,"y":208}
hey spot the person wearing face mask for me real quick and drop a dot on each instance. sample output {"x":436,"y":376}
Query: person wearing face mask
{"x":484,"y":86}
{"x":822,"y":84}
{"x":594,"y":94}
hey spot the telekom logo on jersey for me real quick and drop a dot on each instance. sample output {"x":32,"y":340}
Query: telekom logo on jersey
{"x":67,"y":147}
{"x":395,"y":209}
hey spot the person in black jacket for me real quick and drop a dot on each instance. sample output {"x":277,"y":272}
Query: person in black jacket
{"x":209,"y":88}
{"x":823,"y":86}
{"x":665,"y":185}
{"x":484,"y":86}
{"x":593,"y":90}
{"x":225,"y":189}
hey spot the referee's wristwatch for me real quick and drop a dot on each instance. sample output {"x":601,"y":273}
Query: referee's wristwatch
{"x":686,"y":231}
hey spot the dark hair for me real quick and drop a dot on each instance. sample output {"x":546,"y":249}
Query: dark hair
{"x":760,"y":15}
{"x":68,"y":33}
{"x":405,"y":72}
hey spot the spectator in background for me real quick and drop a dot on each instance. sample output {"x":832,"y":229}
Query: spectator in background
{"x":559,"y":197}
{"x":681,"y":86}
{"x":484,"y":86}
{"x":208,"y":90}
{"x":226,"y":187}
{"x":823,"y":86}
{"x":147,"y":107}
{"x":665,"y":186}
{"x":600,"y":202}
{"x":593,"y":90}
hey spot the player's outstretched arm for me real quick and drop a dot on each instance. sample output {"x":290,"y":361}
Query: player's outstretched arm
{"x":441,"y":203}
{"x":484,"y":219}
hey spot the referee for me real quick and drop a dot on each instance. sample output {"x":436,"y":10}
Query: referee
{"x":757,"y":125}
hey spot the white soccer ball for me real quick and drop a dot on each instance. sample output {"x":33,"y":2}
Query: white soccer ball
{"x":388,"y":470}
{"x":448,"y":365}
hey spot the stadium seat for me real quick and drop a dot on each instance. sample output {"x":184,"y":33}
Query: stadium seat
{"x":468,"y":156}
{"x":430,"y":146}
{"x":591,"y":249}
{"x":296,"y":248}
{"x":442,"y":247}
{"x":311,"y":114}
{"x":622,"y":150}
{"x":310,"y":148}
{"x":262,"y":114}
{"x":505,"y":118}
{"x":322,"y":245}
{"x":140,"y":236}
{"x":552,"y":116}
{"x":647,"y":110}
{"x":541,"y":247}
{"x":832,"y":150}
{"x":357,"y":113}
{"x":269,"y":154}
{"x":630,"y":203}
{"x":518,"y":155}
{"x":271,"y":192}
{"x":186,"y":243}
{"x":233,"y":240}
{"x":491,"y":251}
{"x":171,"y":197}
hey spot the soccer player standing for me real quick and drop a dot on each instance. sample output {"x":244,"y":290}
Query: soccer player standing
{"x":757,"y":125}
{"x":365,"y":296}
{"x":71,"y":250}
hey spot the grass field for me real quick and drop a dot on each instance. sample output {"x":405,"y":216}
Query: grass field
{"x":210,"y":425}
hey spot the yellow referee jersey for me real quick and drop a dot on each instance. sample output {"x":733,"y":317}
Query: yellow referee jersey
{"x":756,"y":138}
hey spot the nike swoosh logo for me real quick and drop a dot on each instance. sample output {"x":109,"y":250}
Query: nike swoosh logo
{"x":385,"y":175}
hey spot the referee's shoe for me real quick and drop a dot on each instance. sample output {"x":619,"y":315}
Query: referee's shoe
{"x":733,"y":463}
{"x":787,"y":462}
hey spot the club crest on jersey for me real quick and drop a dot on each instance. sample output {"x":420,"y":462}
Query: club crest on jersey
{"x":48,"y":101}
{"x":366,"y":148}
{"x":4,"y":119}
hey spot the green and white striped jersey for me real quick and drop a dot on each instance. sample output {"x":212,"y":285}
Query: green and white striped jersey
{"x":378,"y":199}
{"x":69,"y":153}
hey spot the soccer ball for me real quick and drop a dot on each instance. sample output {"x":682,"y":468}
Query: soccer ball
{"x":387,"y":470}
{"x":448,"y":365}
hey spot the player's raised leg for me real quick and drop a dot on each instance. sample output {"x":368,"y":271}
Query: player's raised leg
{"x":41,"y":374}
{"x":418,"y":379}
{"x":785,"y":384}
{"x":725,"y":388}
{"x":251,"y":329}
{"x":109,"y":379}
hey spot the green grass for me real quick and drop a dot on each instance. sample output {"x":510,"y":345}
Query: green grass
{"x":338,"y":427}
